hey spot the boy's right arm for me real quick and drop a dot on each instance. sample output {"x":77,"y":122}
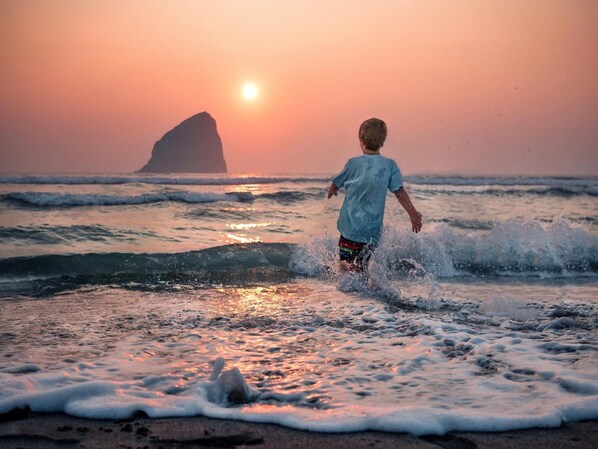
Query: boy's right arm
{"x":414,"y":215}
{"x":333,"y":190}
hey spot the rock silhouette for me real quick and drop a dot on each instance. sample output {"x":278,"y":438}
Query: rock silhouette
{"x":193,"y":146}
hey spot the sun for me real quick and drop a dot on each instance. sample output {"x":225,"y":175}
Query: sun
{"x":249,"y":91}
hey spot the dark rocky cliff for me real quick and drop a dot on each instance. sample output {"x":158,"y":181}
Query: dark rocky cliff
{"x":192,"y":146}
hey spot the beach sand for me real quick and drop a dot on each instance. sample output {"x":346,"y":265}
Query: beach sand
{"x":50,"y":431}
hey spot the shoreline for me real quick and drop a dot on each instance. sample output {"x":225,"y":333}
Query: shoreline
{"x":57,"y":430}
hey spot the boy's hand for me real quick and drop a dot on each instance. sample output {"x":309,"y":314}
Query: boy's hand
{"x":333,"y":190}
{"x":416,"y":221}
{"x":414,"y":215}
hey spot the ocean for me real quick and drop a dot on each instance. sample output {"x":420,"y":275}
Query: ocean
{"x":182,"y":295}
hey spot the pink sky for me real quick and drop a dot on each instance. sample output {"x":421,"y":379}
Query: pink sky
{"x":480,"y":86}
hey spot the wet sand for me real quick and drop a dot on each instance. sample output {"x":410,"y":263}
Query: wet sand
{"x":50,"y":431}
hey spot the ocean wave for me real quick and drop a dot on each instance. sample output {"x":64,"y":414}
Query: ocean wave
{"x":73,"y":199}
{"x":47,"y":199}
{"x":512,"y":248}
{"x":217,"y":259}
{"x":166,"y":180}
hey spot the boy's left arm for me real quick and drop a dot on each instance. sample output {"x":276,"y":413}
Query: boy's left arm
{"x":414,"y":215}
{"x":333,"y":190}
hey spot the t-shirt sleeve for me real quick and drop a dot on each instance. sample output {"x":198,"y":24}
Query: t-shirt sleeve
{"x":340,"y":179}
{"x":396,"y":179}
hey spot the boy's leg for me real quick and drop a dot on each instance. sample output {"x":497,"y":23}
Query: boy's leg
{"x":363,"y":258}
{"x":350,"y":254}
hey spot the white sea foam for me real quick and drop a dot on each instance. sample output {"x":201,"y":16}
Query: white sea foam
{"x":505,"y":307}
{"x":300,"y":355}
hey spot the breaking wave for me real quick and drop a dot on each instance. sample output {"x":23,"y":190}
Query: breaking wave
{"x":512,"y":248}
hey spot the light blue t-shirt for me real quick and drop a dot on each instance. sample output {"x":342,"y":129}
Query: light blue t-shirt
{"x":366,"y":179}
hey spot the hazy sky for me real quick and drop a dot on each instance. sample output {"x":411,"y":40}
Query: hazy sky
{"x":505,"y":86}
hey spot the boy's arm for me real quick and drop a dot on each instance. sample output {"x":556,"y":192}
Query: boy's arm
{"x":414,"y":215}
{"x":333,"y":190}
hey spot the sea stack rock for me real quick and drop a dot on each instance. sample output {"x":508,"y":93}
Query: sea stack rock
{"x":194,"y":146}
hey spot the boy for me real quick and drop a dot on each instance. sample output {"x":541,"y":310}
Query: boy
{"x":365,"y":179}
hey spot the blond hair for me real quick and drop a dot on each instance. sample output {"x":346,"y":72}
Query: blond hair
{"x":372,"y":133}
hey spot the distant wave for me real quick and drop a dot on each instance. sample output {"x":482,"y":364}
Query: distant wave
{"x":504,"y":181}
{"x":166,"y":180}
{"x":525,"y":190}
{"x":45,"y":199}
{"x":292,"y":196}
{"x":559,"y":182}
{"x":73,"y":199}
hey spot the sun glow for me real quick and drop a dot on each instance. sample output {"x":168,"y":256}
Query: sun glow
{"x":249,"y":91}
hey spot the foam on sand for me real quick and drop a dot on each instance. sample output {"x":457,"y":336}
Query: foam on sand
{"x":300,"y":355}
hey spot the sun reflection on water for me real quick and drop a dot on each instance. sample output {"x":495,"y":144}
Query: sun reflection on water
{"x":241,"y":237}
{"x":247,"y":225}
{"x":253,"y":188}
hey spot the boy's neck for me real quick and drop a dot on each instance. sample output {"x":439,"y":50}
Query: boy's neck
{"x":366,"y":151}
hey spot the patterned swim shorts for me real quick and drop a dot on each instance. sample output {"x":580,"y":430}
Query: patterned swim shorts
{"x":351,"y":251}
